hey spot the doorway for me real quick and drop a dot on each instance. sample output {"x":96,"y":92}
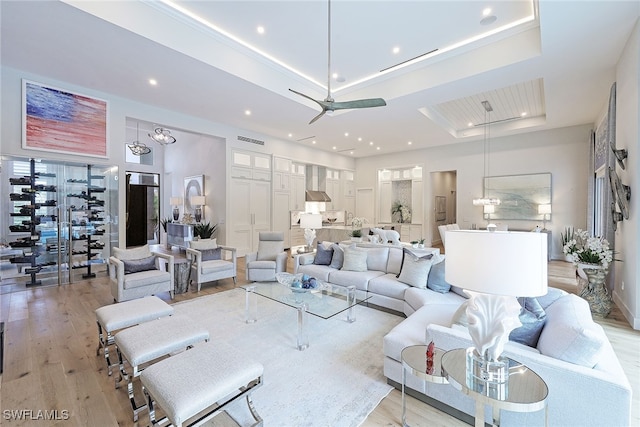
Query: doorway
{"x":142,"y":208}
{"x":443,"y":202}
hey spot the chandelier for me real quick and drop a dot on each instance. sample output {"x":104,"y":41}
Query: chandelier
{"x":485,"y":201}
{"x":162,"y":136}
{"x":138,"y":148}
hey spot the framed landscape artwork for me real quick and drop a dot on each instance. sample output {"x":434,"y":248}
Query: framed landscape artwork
{"x":61,"y":121}
{"x":519,"y":195}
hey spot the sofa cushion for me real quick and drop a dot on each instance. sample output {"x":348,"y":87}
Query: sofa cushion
{"x":570,"y":334}
{"x":203,"y":244}
{"x":144,"y":278}
{"x":216,"y":265}
{"x":354,"y":260}
{"x":415,"y":269}
{"x":388,"y":285}
{"x":533,"y":318}
{"x":417,"y":297}
{"x":436,"y":281}
{"x":318,"y":271}
{"x":209,"y":254}
{"x":134,"y":253}
{"x":359,"y":279}
{"x":377,"y":258}
{"x":138,"y":265}
{"x":394,"y":264}
{"x":324,"y":254}
{"x":550,"y":297}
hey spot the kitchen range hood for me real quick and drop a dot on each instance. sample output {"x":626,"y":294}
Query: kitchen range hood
{"x":316,"y":196}
{"x":314,"y":193}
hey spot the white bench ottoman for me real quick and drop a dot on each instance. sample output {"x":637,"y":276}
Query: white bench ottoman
{"x":111,"y":318}
{"x":142,"y":344}
{"x":198,"y":384}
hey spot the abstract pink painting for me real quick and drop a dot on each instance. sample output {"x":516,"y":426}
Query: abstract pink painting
{"x":62,"y":121}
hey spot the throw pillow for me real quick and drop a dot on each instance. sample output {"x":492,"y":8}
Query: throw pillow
{"x":323,"y":254}
{"x":460,"y":316}
{"x":571,"y":334}
{"x":338,"y":255}
{"x":211,"y":254}
{"x":415,"y":269}
{"x":129,"y":254}
{"x":533,"y":318}
{"x":138,"y":265}
{"x":203,"y":244}
{"x":354,"y":260}
{"x":436,"y":281}
{"x":459,"y":291}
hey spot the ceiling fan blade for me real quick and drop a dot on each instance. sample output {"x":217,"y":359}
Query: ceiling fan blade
{"x":358,"y":103}
{"x":318,"y":116}
{"x":306,"y":96}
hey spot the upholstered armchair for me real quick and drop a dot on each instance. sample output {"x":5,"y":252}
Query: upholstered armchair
{"x":209,"y":261}
{"x":139,"y":272}
{"x":270,"y":259}
{"x":444,"y":228}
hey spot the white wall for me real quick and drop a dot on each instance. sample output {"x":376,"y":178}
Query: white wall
{"x":562,"y":152}
{"x":627,"y":136}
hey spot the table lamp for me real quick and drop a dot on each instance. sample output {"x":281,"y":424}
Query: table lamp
{"x":198,"y":202}
{"x":310,"y":222}
{"x":175,"y":202}
{"x":544,"y":210}
{"x":494,"y":269}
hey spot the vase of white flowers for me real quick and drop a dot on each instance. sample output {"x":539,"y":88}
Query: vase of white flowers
{"x":592,"y":256}
{"x":402,"y":211}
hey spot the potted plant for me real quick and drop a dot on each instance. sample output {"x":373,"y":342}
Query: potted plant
{"x":414,"y":243}
{"x":404,"y":213}
{"x":568,"y":236}
{"x":204,"y":230}
{"x":356,"y":235}
{"x":421,"y":243}
{"x":163,"y":223}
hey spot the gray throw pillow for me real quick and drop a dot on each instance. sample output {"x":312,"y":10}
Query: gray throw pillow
{"x":533,"y":318}
{"x":211,"y":254}
{"x":354,"y":260}
{"x":415,"y":269}
{"x":436,"y":281}
{"x":138,"y":265}
{"x":323,"y":254}
{"x":337,"y":259}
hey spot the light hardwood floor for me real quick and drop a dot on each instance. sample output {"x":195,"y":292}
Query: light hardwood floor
{"x":51,"y":364}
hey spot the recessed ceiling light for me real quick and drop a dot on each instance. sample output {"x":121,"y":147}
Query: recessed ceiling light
{"x":486,"y":12}
{"x":524,"y":113}
{"x":313,"y":142}
{"x":359,"y":139}
{"x":346,"y":134}
{"x":153,"y":82}
{"x":334,"y":76}
{"x":370,"y":142}
{"x":334,"y":147}
{"x":290,"y":135}
{"x":396,"y":50}
{"x":350,"y":152}
{"x":409,"y":143}
{"x":377,"y":148}
{"x":469,"y":124}
{"x":260,"y":29}
{"x":247,"y":112}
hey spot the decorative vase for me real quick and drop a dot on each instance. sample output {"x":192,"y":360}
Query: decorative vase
{"x":595,"y":290}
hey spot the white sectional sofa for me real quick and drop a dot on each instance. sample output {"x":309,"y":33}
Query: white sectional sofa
{"x":587,"y":386}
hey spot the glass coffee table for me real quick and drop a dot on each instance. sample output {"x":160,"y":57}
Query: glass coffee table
{"x":326,"y":301}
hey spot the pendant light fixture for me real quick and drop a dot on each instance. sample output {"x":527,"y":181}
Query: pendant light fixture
{"x":138,"y":148}
{"x":162,"y":136}
{"x":484,"y":201}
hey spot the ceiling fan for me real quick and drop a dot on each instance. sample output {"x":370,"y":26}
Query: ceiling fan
{"x":328,"y":104}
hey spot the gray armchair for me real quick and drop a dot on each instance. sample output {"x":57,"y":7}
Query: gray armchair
{"x":270,"y":259}
{"x":139,"y":272}
{"x":209,"y":261}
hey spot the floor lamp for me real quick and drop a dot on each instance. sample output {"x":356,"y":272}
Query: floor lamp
{"x":494,"y":269}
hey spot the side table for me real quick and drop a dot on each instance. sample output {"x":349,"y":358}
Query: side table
{"x":524,"y":392}
{"x":414,"y":360}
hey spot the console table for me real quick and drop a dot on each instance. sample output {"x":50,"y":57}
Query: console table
{"x":179,"y":234}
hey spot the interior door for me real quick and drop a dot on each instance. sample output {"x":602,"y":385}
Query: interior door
{"x":137,"y":222}
{"x":365,"y":204}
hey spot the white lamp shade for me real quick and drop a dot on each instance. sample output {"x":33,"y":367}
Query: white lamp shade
{"x":498,"y":263}
{"x":544,"y":209}
{"x":175,"y":201}
{"x":198,"y":200}
{"x":312,"y":221}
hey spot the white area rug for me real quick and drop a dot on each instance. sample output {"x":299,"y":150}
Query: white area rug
{"x":337,"y":381}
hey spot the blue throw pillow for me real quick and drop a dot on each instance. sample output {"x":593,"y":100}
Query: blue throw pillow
{"x":323,"y":255}
{"x":138,"y":265}
{"x":211,"y":254}
{"x":337,"y":258}
{"x":436,"y":281}
{"x":533,"y":318}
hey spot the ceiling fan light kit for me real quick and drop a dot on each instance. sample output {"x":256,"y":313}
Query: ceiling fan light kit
{"x":329,"y":104}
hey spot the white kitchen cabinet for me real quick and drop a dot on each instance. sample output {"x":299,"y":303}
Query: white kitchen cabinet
{"x":417,"y":209}
{"x":281,"y":215}
{"x":298,"y":188}
{"x":385,"y":203}
{"x":250,"y":213}
{"x":349,"y":184}
{"x":333,"y":190}
{"x":281,"y":174}
{"x":297,"y":236}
